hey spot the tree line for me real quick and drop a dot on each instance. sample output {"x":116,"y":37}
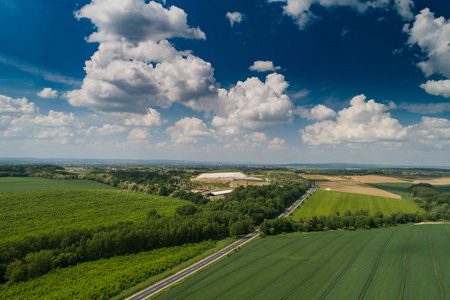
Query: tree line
{"x":349,"y":221}
{"x":34,"y":256}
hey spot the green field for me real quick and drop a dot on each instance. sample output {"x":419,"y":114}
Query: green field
{"x":395,"y":188}
{"x":443,"y":189}
{"x":34,"y":212}
{"x":404,"y":262}
{"x":19,"y":184}
{"x":402,"y":188}
{"x":325,"y":203}
{"x":103,"y":278}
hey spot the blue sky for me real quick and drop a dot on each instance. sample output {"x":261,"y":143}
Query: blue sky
{"x":247,"y":81}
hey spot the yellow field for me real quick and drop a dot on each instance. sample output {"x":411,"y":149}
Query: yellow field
{"x":355,"y":187}
{"x":376,"y":179}
{"x":433,"y":181}
{"x":324,"y":177}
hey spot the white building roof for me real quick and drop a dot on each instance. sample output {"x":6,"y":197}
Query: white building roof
{"x":221,"y":192}
{"x":222,"y":176}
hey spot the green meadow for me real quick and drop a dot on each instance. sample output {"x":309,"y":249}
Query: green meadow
{"x":403,"y":262}
{"x":325,"y":203}
{"x":20,"y":184}
{"x":40,"y":211}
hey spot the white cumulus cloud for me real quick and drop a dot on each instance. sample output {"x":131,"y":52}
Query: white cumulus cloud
{"x":48,"y":93}
{"x":57,"y":127}
{"x":263,"y":66}
{"x":138,"y":134}
{"x":432,"y":35}
{"x":277,"y":144}
{"x":253,"y":104}
{"x":134,"y":21}
{"x":152,"y":118}
{"x":362,"y":122}
{"x":319,"y":112}
{"x":9,"y":105}
{"x":437,"y":88}
{"x":432,"y":132}
{"x":234,"y":17}
{"x":188,"y":130}
{"x":106,"y":129}
{"x":135,"y":67}
{"x":404,"y":8}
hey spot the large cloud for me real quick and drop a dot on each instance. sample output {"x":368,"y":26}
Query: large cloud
{"x":300,"y":10}
{"x":361,"y":122}
{"x":129,"y":78}
{"x":254,"y":104}
{"x":135,"y":67}
{"x":432,"y":35}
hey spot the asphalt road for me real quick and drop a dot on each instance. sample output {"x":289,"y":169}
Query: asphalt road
{"x":159,"y":286}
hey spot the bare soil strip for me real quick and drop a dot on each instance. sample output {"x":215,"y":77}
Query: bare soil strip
{"x":432,"y":223}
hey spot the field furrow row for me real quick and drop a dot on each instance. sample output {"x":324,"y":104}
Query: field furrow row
{"x":375,"y":267}
{"x":342,"y":273}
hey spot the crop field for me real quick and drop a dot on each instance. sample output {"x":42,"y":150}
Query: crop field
{"x":324,"y":177}
{"x":443,"y":189}
{"x":433,"y":180}
{"x":34,"y":212}
{"x":400,"y":189}
{"x":355,"y":187}
{"x":103,"y":278}
{"x":19,"y":184}
{"x":327,"y":203}
{"x":404,"y":262}
{"x":377,"y":179}
{"x":384,"y":186}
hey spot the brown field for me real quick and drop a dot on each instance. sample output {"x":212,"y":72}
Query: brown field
{"x":433,"y":181}
{"x":356,"y":188}
{"x":358,"y":184}
{"x":376,"y":179}
{"x":324,"y":177}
